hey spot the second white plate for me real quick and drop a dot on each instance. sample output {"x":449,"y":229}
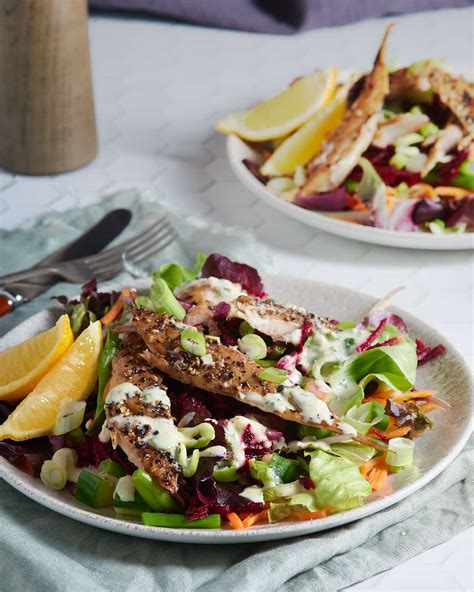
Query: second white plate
{"x":237,"y":151}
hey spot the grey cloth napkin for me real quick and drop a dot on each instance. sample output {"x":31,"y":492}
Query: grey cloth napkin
{"x":41,"y":550}
{"x":274,"y":16}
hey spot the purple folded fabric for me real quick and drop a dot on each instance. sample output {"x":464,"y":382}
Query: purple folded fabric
{"x":274,"y":16}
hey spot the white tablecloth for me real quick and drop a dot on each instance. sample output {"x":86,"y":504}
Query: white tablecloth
{"x":159,"y":88}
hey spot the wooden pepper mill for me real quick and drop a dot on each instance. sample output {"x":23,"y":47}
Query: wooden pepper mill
{"x":47,"y":120}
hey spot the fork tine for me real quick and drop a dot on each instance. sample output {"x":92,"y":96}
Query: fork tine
{"x":156,"y":249}
{"x":136,"y":240}
{"x":131,"y":255}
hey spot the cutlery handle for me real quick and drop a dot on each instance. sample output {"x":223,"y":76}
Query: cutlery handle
{"x":6,"y":305}
{"x":26,"y":274}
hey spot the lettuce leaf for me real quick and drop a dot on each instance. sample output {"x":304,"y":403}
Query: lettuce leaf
{"x":339,"y":484}
{"x":358,"y":454}
{"x":175,"y":274}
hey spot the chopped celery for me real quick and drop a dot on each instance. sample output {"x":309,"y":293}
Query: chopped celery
{"x":111,"y":468}
{"x":154,"y":495}
{"x":180,"y":520}
{"x":95,"y":490}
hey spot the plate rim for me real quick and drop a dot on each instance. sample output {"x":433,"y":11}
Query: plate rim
{"x":25,"y":484}
{"x":314,"y":219}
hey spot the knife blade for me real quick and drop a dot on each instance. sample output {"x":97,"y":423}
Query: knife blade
{"x":90,"y":242}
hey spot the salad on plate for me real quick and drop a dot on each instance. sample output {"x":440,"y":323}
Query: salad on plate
{"x":204,"y":403}
{"x":387,"y":149}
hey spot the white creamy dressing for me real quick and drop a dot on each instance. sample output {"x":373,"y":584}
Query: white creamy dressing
{"x":155,"y":394}
{"x":234,"y":431}
{"x":213,"y":451}
{"x":221,"y":290}
{"x":125,"y":490}
{"x":254,"y":493}
{"x":104,"y":434}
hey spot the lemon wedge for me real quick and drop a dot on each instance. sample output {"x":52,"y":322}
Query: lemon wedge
{"x":73,"y":377}
{"x":284,"y":112}
{"x":24,"y":365}
{"x":306,"y":142}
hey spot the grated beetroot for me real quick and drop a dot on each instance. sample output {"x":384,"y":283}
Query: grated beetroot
{"x":307,"y":483}
{"x":372,"y":337}
{"x":450,"y":169}
{"x":426,"y":353}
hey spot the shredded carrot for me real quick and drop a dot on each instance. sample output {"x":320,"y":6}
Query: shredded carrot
{"x":255,"y":518}
{"x":235,"y":521}
{"x":355,"y":203}
{"x":379,"y":396}
{"x":413,"y":395}
{"x":422,"y":190}
{"x":456,"y":192}
{"x":117,"y":308}
{"x":427,"y":407}
{"x":396,"y":432}
{"x":375,"y":471}
{"x":308,"y":515}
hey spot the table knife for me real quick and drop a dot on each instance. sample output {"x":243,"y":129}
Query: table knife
{"x":90,"y":242}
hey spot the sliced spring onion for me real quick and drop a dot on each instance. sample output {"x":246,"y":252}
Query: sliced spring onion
{"x":198,"y":436}
{"x":467,"y":168}
{"x":281,"y":184}
{"x":274,"y":375}
{"x":407,"y":151}
{"x":266,"y":363}
{"x":363,"y":417}
{"x":400,"y":453}
{"x":401,"y":189}
{"x":225,"y":474}
{"x":299,"y":176}
{"x":154,"y":495}
{"x":345,"y":325}
{"x":180,"y":520}
{"x":53,"y":475}
{"x":163,"y":300}
{"x":245,"y":329}
{"x":416,"y":110}
{"x":253,"y":346}
{"x":190,"y":464}
{"x":429,"y":129}
{"x":398,"y":161}
{"x":70,"y":416}
{"x":408,"y":140}
{"x":193,"y":342}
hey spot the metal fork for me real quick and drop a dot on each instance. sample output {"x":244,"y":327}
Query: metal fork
{"x":106,"y":264}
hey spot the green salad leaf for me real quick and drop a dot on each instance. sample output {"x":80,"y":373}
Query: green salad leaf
{"x":339,"y":484}
{"x":175,"y":275}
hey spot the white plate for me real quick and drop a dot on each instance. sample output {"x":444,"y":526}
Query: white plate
{"x":237,"y":150}
{"x":447,"y":375}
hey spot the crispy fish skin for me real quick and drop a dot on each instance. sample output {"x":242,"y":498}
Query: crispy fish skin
{"x":130,"y":367}
{"x":355,"y":133}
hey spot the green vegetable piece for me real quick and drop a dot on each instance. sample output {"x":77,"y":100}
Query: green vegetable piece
{"x":266,"y":363}
{"x":245,"y":329}
{"x":193,"y":342}
{"x":352,"y":186}
{"x":356,"y":453}
{"x":154,"y":495}
{"x":78,"y":317}
{"x":304,"y":431}
{"x":416,"y":110}
{"x":94,"y":489}
{"x":398,"y":161}
{"x":383,"y":423}
{"x":111,"y":347}
{"x":111,"y":468}
{"x":164,"y":301}
{"x":464,"y":181}
{"x":274,"y":375}
{"x":75,"y":438}
{"x":467,"y":168}
{"x":144,"y":302}
{"x":286,"y":469}
{"x":429,"y":129}
{"x":277,"y":350}
{"x":174,"y":274}
{"x":408,"y":140}
{"x":343,"y":325}
{"x":225,"y":474}
{"x":253,"y":346}
{"x":339,"y":484}
{"x":364,"y":416}
{"x":180,"y":520}
{"x":198,"y":436}
{"x":135,"y":508}
{"x":400,"y":453}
